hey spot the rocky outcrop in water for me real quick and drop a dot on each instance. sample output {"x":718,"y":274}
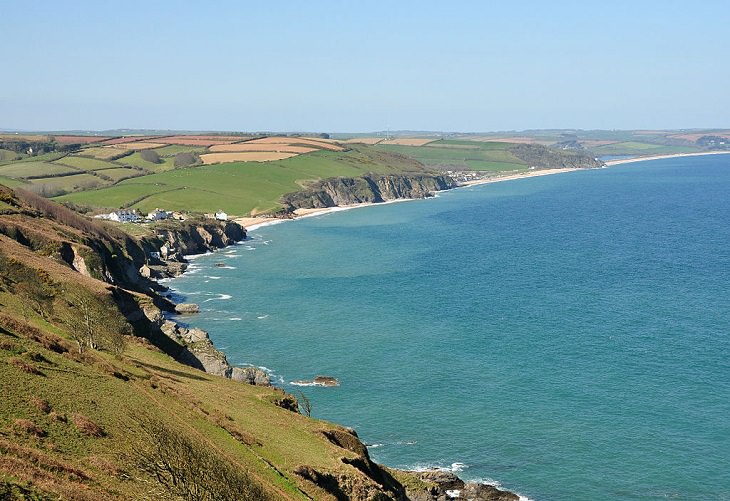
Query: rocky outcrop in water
{"x":446,"y":486}
{"x":368,"y":189}
{"x":188,"y":308}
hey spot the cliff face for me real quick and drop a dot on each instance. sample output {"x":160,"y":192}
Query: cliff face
{"x":102,"y":251}
{"x":367,"y":189}
{"x":197,"y":236}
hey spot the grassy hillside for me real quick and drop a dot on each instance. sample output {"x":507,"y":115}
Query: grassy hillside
{"x":240,"y":187}
{"x":123,"y":420}
{"x":636,"y":148}
{"x":147,"y":171}
{"x":461,"y":155}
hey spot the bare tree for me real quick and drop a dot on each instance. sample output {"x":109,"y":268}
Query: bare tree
{"x":94,"y":322}
{"x":36,"y":295}
{"x":191,"y":470}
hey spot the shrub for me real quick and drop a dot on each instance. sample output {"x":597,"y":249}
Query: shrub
{"x":58,"y":417}
{"x":150,"y":156}
{"x":185,"y":159}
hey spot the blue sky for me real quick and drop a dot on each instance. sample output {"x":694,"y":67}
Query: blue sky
{"x":348,"y":66}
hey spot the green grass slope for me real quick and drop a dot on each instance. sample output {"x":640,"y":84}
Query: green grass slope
{"x":636,"y":148}
{"x":126,"y":421}
{"x":241,"y":187}
{"x":461,"y":155}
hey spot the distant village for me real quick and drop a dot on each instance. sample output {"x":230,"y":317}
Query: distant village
{"x":132,"y":216}
{"x":461,"y":176}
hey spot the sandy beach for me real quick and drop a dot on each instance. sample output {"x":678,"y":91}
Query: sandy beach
{"x":611,"y":163}
{"x":509,"y":177}
{"x":253,"y":223}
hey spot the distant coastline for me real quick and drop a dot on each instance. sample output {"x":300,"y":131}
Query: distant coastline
{"x":621,"y":161}
{"x":254,"y":223}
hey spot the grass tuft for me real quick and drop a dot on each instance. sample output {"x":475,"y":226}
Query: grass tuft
{"x":41,"y":405}
{"x":58,"y":417}
{"x":25,"y":366}
{"x":28,"y":427}
{"x":87,"y":426}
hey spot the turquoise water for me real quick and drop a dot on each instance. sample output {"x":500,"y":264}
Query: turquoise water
{"x":567,"y":336}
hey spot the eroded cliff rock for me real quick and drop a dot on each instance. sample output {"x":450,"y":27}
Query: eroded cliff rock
{"x":188,"y":345}
{"x":367,"y":189}
{"x":194,"y":236}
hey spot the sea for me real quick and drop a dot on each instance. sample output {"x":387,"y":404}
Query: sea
{"x":566,"y":337}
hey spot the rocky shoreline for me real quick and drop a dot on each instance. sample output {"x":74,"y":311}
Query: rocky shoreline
{"x":166,"y":252}
{"x":197,"y":350}
{"x":164,"y":257}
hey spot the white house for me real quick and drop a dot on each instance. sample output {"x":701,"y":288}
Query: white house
{"x":158,"y":214}
{"x":221,"y":216}
{"x":124,"y":216}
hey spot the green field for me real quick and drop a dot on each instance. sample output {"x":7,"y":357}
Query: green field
{"x":116,"y":196}
{"x":46,"y":157}
{"x":12,"y":183}
{"x":119,"y":173}
{"x":136,"y":160}
{"x":460,"y":155}
{"x":238,"y":188}
{"x":8,"y":155}
{"x":242,"y":187}
{"x":638,"y":148}
{"x":174,"y":149}
{"x":26,"y":169}
{"x":76,"y":182}
{"x":103,"y":153}
{"x":84,"y":163}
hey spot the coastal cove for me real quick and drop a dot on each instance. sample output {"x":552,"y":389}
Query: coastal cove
{"x":562,"y":335}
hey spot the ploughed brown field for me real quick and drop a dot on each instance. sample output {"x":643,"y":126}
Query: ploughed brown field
{"x":284,"y":148}
{"x":297,"y":141}
{"x":244,"y":156}
{"x":186,"y":141}
{"x":141,"y":145}
{"x":211,"y":138}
